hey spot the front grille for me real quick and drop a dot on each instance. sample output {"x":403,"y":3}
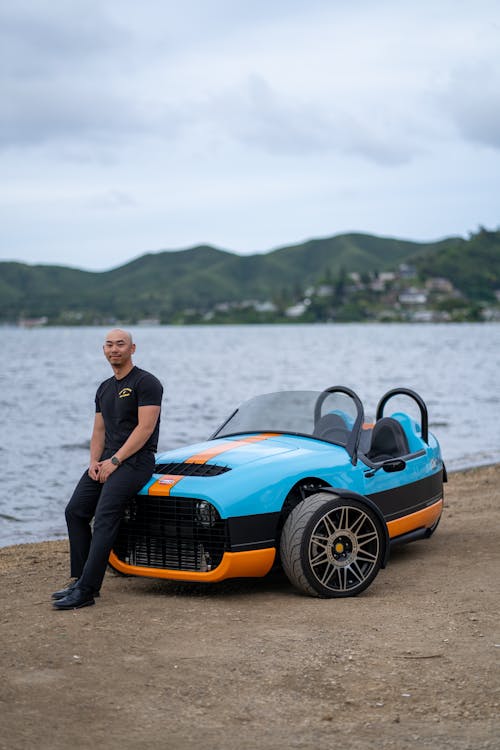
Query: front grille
{"x":191,"y":469}
{"x":173,"y":533}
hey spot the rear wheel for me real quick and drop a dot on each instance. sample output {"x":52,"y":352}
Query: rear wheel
{"x":331,"y":547}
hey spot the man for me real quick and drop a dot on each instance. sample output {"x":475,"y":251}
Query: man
{"x":122,"y":447}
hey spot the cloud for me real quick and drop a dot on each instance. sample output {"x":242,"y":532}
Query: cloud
{"x":112,"y":200}
{"x":48,"y":110}
{"x":94,"y":76}
{"x":50,"y":53}
{"x":37,"y":39}
{"x":97,"y":77}
{"x":258,"y":115}
{"x":472,"y":100}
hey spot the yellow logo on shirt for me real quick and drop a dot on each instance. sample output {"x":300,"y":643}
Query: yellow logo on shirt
{"x":124,"y":392}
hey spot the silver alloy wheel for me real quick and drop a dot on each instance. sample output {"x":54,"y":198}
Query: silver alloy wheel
{"x":344,"y":548}
{"x":332,"y":547}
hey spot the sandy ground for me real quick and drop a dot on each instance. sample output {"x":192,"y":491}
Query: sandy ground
{"x":411,"y":663}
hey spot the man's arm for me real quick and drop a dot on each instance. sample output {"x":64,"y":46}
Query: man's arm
{"x":147,"y":419}
{"x":96,"y":446}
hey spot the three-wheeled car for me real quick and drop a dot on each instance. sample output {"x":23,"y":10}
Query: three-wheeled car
{"x":295,"y":477}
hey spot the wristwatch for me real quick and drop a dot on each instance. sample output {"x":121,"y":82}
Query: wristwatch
{"x":115,"y":461}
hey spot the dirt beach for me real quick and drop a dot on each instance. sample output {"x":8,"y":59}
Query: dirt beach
{"x":411,"y":663}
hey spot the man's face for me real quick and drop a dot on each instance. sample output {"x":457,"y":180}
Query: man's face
{"x":118,"y":348}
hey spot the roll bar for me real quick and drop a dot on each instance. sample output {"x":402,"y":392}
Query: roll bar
{"x":424,"y":418}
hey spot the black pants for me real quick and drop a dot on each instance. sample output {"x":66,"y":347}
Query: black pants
{"x":104,"y":503}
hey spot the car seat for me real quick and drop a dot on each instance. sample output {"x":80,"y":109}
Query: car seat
{"x":333,"y":428}
{"x":388,"y":440}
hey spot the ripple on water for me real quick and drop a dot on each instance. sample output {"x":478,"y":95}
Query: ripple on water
{"x":7,"y":517}
{"x":75,"y":446}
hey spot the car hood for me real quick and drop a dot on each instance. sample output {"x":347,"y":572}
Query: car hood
{"x":247,"y":474}
{"x":231,"y":452}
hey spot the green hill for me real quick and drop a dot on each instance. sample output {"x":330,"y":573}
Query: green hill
{"x":168,"y":285}
{"x":473,"y":265}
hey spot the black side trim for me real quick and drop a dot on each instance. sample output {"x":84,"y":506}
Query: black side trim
{"x":408,"y":457}
{"x":410,"y":536}
{"x":401,"y":501}
{"x":252,"y":532}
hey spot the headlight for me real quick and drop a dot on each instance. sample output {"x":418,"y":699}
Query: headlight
{"x":206,"y":515}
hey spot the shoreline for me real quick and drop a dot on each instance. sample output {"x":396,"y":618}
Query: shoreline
{"x":451,"y":472}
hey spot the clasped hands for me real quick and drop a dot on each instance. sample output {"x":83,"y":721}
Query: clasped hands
{"x":99,"y":471}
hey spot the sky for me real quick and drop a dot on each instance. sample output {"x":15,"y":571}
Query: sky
{"x":129,"y":127}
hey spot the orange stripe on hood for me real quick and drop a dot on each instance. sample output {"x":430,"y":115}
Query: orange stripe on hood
{"x":164,"y":484}
{"x":204,"y":456}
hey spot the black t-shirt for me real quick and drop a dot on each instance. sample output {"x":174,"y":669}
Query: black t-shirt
{"x":118,"y":402}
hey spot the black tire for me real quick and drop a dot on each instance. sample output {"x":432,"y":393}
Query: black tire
{"x":331,"y":547}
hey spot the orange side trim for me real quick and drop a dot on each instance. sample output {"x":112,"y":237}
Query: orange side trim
{"x":422,"y":518}
{"x":204,"y":456}
{"x":250,"y":564}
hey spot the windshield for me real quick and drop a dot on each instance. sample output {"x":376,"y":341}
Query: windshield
{"x":325,"y":415}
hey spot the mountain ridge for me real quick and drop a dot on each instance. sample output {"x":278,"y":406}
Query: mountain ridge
{"x":160,"y":284}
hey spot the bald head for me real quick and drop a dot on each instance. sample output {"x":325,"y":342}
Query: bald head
{"x":118,"y":349}
{"x":120,"y":334}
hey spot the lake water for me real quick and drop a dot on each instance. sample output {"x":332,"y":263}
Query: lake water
{"x":49,"y":377}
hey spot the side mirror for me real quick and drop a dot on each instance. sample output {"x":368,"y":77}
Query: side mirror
{"x":391,"y":465}
{"x":394,"y":464}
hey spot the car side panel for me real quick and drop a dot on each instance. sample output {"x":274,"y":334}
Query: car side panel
{"x":409,"y":498}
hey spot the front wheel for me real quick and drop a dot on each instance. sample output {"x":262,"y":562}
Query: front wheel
{"x":331,"y":547}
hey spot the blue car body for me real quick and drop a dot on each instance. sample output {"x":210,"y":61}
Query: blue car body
{"x":218,"y":509}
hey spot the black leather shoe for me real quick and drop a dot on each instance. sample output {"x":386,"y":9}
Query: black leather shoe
{"x":77,"y":598}
{"x":64,"y":592}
